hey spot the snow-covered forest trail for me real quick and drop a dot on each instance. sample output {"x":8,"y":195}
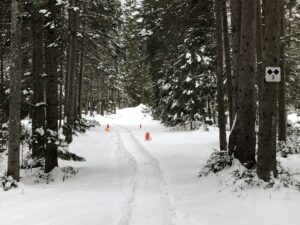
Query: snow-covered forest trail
{"x":126,"y":180}
{"x":88,"y":198}
{"x":120,"y":183}
{"x":148,"y":202}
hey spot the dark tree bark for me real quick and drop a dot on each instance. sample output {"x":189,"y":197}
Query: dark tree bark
{"x":282,"y":112}
{"x":38,"y":115}
{"x":245,"y":138}
{"x":74,"y":16}
{"x":227,"y":61}
{"x":259,"y":50}
{"x":76,"y":93}
{"x":92,"y":93}
{"x":3,"y":117}
{"x":102,"y":107}
{"x":13,"y":168}
{"x":236,"y":34}
{"x":86,"y":97}
{"x":1,"y":58}
{"x":81,"y":71}
{"x":220,"y":77}
{"x":61,"y":84}
{"x":67,"y":78}
{"x":51,"y":66}
{"x":266,"y":157}
{"x":2,"y":69}
{"x":1,"y":63}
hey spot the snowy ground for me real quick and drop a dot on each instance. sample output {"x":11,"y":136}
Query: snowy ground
{"x":128,"y":181}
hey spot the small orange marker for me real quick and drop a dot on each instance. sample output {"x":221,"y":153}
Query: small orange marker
{"x":147,"y":136}
{"x":107,"y":128}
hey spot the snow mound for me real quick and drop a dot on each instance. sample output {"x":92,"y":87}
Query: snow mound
{"x":58,"y":174}
{"x":134,"y":115}
{"x":294,"y":118}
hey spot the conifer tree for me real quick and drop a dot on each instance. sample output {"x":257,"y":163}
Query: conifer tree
{"x":38,"y":115}
{"x":266,"y":158}
{"x":51,"y":68}
{"x":15,"y":92}
{"x":220,"y":78}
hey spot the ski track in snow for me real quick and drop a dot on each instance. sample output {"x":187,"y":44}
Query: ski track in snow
{"x":129,"y":200}
{"x":148,"y":189}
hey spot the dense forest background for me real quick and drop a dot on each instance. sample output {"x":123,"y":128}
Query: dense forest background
{"x":192,"y":62}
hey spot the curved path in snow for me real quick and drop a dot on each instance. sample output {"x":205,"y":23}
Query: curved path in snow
{"x":127,"y":181}
{"x":148,"y":201}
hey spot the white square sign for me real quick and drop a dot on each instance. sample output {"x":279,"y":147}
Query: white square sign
{"x":273,"y":74}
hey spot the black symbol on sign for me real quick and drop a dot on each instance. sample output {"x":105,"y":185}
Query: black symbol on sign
{"x":272,"y":74}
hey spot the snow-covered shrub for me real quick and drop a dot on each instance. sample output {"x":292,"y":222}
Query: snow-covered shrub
{"x":57,"y":174}
{"x":292,"y":144}
{"x":69,"y":172}
{"x":283,"y":179}
{"x":205,"y":127}
{"x":41,"y":177}
{"x":243,"y":177}
{"x":217,"y":161}
{"x":37,"y":161}
{"x":82,"y":125}
{"x":288,"y":148}
{"x":30,"y":162}
{"x":8,"y":183}
{"x":64,"y":154}
{"x":93,"y":123}
{"x":24,"y":138}
{"x":3,"y":136}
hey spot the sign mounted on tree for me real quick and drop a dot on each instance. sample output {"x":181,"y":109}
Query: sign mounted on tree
{"x":273,"y":74}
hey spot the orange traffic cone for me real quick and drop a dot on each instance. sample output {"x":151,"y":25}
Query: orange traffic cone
{"x":147,"y":136}
{"x":107,"y":128}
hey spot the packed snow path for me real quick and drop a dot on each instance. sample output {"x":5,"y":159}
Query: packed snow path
{"x":126,"y":180}
{"x":148,"y":202}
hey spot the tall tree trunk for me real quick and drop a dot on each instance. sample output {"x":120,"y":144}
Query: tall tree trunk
{"x":2,"y":68}
{"x":82,"y":52}
{"x":67,"y":77}
{"x":61,"y":83}
{"x":236,"y":34}
{"x":38,"y":116}
{"x":266,"y":156}
{"x":282,"y":113}
{"x":13,"y":168}
{"x":220,"y":77}
{"x":102,"y":107}
{"x":92,"y":83}
{"x":246,"y":102}
{"x":51,"y":66}
{"x":227,"y":61}
{"x":73,"y":14}
{"x":1,"y":62}
{"x":86,"y":96}
{"x":209,"y":114}
{"x":1,"y":58}
{"x":259,"y":50}
{"x":3,"y":113}
{"x":76,"y":92}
